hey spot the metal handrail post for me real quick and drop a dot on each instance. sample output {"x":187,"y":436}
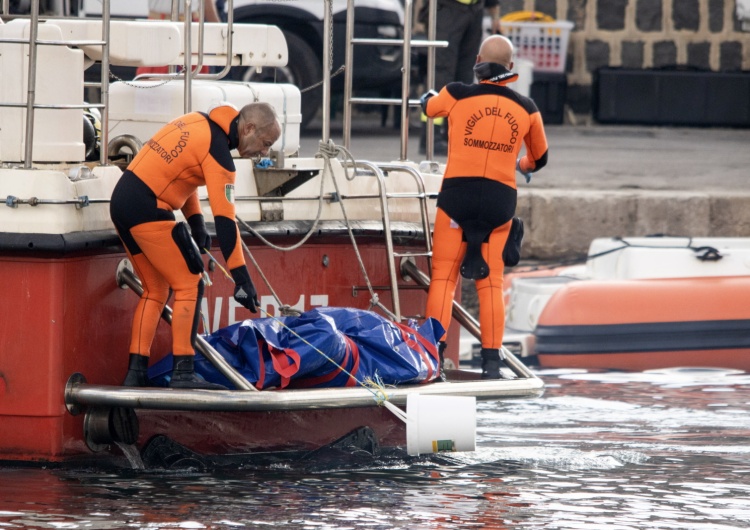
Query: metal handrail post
{"x":386,"y":218}
{"x":430,"y":79}
{"x":187,"y":67}
{"x":348,"y":74}
{"x":469,"y":323}
{"x":327,"y":36}
{"x":31,"y":85}
{"x":230,"y":39}
{"x":406,"y":78}
{"x":6,"y":7}
{"x":196,"y":74}
{"x":103,"y":150}
{"x":424,"y":212}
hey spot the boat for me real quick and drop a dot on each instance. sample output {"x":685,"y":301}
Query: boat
{"x":637,"y":303}
{"x":325,"y":229}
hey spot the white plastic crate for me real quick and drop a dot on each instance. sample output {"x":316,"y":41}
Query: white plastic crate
{"x":543,"y":43}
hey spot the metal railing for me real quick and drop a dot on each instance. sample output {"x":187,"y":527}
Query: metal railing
{"x":407,"y":44}
{"x":191,"y":71}
{"x":30,"y":105}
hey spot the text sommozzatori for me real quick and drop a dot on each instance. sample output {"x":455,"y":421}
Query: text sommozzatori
{"x":492,"y":145}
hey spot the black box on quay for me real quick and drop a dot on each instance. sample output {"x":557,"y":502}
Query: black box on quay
{"x":549,"y":91}
{"x":672,"y":97}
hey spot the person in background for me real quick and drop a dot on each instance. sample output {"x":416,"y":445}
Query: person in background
{"x":459,"y":22}
{"x":191,"y":151}
{"x":487,"y":124}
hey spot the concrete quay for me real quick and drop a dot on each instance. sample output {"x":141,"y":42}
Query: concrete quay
{"x":607,"y":181}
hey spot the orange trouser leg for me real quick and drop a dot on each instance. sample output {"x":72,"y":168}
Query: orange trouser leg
{"x":447,"y":252}
{"x":162,"y":266}
{"x":490,"y":289}
{"x":149,"y":308}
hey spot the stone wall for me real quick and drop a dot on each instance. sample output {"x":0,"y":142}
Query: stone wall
{"x":562,"y":223}
{"x":703,"y":34}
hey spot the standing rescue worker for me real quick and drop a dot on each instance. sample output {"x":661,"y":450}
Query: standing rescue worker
{"x":460,"y":23}
{"x":488,"y":123}
{"x":191,"y":151}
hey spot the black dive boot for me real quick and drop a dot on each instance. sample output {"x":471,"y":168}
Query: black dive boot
{"x":491,"y":363}
{"x":183,"y":375}
{"x":137,"y":371}
{"x":441,"y":353}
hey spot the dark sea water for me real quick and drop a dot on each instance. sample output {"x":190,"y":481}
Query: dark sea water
{"x":655,"y":450}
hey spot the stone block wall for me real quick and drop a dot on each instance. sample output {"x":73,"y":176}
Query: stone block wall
{"x":696,"y":34}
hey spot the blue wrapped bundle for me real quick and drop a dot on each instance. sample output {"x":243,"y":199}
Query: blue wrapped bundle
{"x":325,"y":347}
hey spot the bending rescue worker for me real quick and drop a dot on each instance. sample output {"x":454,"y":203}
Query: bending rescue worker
{"x":487,"y":123}
{"x":191,"y":151}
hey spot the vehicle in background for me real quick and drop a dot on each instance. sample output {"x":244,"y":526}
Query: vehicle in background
{"x":377,"y":69}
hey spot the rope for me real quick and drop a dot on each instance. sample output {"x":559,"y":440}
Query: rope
{"x":286,"y":310}
{"x":375,"y":386}
{"x":126,"y":82}
{"x":708,"y":254}
{"x":327,"y":151}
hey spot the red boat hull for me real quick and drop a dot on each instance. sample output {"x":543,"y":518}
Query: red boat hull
{"x":66,"y":314}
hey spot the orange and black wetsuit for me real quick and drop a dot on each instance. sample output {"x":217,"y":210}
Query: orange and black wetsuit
{"x":487,"y":125}
{"x":191,"y":151}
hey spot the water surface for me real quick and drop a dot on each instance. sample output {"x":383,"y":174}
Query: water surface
{"x":655,"y":450}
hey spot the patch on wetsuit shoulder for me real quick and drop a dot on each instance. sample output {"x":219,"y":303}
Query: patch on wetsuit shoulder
{"x":229,"y":192}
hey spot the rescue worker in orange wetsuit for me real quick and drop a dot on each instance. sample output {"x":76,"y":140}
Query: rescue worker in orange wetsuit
{"x":191,"y":151}
{"x":488,"y":123}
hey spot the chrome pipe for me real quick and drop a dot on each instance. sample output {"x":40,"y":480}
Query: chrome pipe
{"x":387,"y":233}
{"x":424,"y":211}
{"x":31,"y":85}
{"x":348,"y":75}
{"x":230,"y":39}
{"x":201,"y":38}
{"x":103,"y":159}
{"x":79,"y":394}
{"x":430,"y":79}
{"x":406,"y":78}
{"x":384,"y":101}
{"x":55,"y":106}
{"x":187,"y":65}
{"x":327,"y":37}
{"x":127,"y":277}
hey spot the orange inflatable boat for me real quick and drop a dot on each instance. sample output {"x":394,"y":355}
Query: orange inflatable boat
{"x":647,"y":324}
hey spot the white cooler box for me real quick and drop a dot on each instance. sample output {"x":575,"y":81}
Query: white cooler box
{"x":141,"y":108}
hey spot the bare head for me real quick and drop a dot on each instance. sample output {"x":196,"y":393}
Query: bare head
{"x":496,"y":49}
{"x":258,"y":129}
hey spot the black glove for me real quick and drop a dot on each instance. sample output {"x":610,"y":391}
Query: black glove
{"x":244,"y":290}
{"x":425,"y":98}
{"x":199,"y":232}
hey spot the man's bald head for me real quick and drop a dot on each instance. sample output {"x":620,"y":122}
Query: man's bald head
{"x":496,"y":49}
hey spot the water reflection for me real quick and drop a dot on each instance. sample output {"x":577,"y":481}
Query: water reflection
{"x":653,"y":450}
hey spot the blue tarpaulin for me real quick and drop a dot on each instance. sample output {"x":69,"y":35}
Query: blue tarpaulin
{"x":319,"y":347}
